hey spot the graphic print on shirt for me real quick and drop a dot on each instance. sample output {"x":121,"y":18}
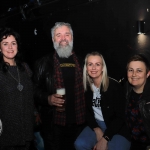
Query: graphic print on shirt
{"x":96,"y":104}
{"x":67,"y":65}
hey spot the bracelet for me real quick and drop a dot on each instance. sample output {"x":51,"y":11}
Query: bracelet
{"x":106,"y":138}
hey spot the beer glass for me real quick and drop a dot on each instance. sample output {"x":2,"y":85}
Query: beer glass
{"x":61,"y":91}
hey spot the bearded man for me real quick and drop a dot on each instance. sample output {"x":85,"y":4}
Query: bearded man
{"x":62,"y":69}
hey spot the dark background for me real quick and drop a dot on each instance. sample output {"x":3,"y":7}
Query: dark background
{"x":107,"y":26}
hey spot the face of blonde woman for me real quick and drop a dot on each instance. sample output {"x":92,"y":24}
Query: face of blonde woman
{"x":94,"y":67}
{"x":9,"y":48}
{"x":137,"y":75}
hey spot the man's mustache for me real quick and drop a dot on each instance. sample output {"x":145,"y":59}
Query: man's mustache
{"x":63,"y":41}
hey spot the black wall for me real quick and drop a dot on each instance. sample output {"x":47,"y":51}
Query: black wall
{"x":107,"y":26}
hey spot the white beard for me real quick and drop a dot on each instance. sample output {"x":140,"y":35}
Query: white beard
{"x":63,"y":51}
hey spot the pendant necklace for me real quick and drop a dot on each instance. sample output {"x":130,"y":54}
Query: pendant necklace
{"x":19,"y":86}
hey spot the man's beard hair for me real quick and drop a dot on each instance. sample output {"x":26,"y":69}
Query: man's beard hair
{"x":63,"y":51}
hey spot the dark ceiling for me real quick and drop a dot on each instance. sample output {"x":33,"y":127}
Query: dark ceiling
{"x":107,"y":26}
{"x":25,"y":10}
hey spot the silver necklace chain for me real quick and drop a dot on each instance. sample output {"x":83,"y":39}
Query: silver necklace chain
{"x":19,"y":86}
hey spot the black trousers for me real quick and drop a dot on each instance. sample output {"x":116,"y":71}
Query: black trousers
{"x":62,"y":137}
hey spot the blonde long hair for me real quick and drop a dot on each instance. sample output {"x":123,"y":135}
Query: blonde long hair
{"x":88,"y":80}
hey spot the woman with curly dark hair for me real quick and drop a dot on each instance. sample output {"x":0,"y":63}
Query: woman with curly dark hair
{"x":16,"y":95}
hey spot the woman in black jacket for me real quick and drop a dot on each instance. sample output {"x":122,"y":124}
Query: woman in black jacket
{"x":138,"y":101}
{"x":105,"y":109}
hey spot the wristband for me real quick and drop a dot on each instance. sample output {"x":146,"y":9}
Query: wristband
{"x":106,"y":137}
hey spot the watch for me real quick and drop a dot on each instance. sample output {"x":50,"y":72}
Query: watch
{"x":106,"y":138}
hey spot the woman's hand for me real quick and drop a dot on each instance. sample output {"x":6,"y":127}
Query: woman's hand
{"x":99,"y":133}
{"x":101,"y":144}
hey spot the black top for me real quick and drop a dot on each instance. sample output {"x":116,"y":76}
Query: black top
{"x":143,"y":103}
{"x":16,"y":108}
{"x":68,"y":71}
{"x":134,"y":119}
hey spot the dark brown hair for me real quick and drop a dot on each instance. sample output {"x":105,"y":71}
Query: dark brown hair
{"x":139,"y":57}
{"x":4,"y":33}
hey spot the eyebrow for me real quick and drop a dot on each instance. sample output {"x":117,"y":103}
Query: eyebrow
{"x":65,"y":33}
{"x":8,"y":42}
{"x":135,"y":68}
{"x":68,"y":33}
{"x":57,"y":34}
{"x":96,"y":62}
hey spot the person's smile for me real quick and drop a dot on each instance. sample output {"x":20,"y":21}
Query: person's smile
{"x":94,"y":72}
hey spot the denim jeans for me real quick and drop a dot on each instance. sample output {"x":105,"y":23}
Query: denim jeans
{"x":87,"y":140}
{"x":39,"y":144}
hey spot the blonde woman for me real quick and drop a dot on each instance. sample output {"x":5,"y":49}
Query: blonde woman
{"x":105,"y":105}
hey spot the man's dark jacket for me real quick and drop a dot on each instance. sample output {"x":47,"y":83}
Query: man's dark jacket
{"x":44,"y":86}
